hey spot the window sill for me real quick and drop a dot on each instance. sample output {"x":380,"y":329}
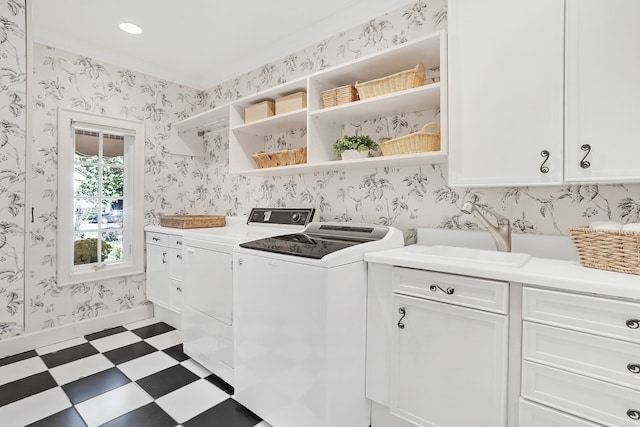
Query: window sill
{"x":88,"y":274}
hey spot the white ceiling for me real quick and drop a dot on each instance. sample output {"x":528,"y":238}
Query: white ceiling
{"x":198,"y":43}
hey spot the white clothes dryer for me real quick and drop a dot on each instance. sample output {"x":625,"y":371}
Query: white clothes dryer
{"x":207,"y":317}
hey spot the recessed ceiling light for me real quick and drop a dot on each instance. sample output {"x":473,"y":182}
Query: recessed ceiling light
{"x":130,"y":28}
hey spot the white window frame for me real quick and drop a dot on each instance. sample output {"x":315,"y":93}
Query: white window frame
{"x":133,"y":217}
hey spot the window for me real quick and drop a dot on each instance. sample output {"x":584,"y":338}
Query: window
{"x":100,"y":197}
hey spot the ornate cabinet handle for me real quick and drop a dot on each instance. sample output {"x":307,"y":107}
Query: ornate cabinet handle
{"x":584,"y":164}
{"x":179,"y":256}
{"x":402,"y":311}
{"x":155,"y":239}
{"x":164,"y":257}
{"x":632,"y":323}
{"x":634,"y":368}
{"x":448,"y":291}
{"x":633,"y":414}
{"x":546,"y":155}
{"x":179,"y":242}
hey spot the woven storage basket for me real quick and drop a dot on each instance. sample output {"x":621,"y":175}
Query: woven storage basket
{"x":292,"y":102}
{"x":607,"y":250}
{"x":280,"y":158}
{"x":399,"y":81}
{"x":417,"y":142}
{"x":192,"y":221}
{"x":339,"y":95}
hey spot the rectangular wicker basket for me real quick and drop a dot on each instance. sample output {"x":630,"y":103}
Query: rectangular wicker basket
{"x":339,"y":95}
{"x":395,"y":82}
{"x":259,"y":111}
{"x":280,"y":158}
{"x":607,"y":250}
{"x":192,"y":221}
{"x":292,"y":102}
{"x":417,"y":142}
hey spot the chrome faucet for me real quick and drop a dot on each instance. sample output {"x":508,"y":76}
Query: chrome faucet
{"x":501,"y":234}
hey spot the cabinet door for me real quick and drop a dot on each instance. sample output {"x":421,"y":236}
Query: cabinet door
{"x":448,"y":365}
{"x":603,"y":91}
{"x":505,"y":92}
{"x":158,"y":274}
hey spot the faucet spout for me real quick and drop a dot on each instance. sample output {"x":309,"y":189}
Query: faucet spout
{"x":501,"y":234}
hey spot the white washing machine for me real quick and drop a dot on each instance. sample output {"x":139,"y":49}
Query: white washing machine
{"x":300,"y":324}
{"x":207,"y":316}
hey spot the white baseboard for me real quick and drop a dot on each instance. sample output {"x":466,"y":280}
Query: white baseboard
{"x":168,"y":316}
{"x":31,"y":341}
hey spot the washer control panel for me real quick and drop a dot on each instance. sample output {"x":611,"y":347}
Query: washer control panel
{"x":281,"y":216}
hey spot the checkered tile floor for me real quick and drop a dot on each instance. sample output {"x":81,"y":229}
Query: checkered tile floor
{"x":132,"y":375}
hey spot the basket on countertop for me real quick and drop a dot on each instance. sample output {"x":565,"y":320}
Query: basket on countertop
{"x":339,"y":95}
{"x":395,"y":82}
{"x":192,"y":221}
{"x":280,"y":158}
{"x":613,"y":250}
{"x":417,"y":142}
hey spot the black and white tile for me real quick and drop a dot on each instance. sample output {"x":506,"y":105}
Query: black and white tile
{"x":131,"y":375}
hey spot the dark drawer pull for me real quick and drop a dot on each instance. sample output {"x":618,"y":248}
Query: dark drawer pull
{"x":155,"y":239}
{"x":633,"y":414}
{"x":179,"y":242}
{"x":448,"y":291}
{"x":634,"y":368}
{"x":633,"y":323}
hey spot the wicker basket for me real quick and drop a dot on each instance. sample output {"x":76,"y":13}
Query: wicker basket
{"x":399,"y":81}
{"x":607,"y":250}
{"x":339,"y":95}
{"x":280,"y":158}
{"x":192,"y":221}
{"x":417,"y":142}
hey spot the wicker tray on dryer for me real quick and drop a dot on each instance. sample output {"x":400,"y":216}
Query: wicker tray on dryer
{"x":192,"y":221}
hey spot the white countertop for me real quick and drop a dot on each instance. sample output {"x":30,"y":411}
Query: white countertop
{"x":556,"y":274}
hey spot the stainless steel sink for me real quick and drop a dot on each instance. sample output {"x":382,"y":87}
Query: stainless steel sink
{"x":453,"y":253}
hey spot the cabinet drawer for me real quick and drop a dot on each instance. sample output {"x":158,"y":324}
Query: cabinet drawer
{"x":176,"y":264}
{"x":175,"y":241}
{"x":532,"y":415}
{"x":157,"y":238}
{"x":594,"y":400}
{"x":484,"y":294}
{"x":598,"y":357}
{"x":612,"y":318}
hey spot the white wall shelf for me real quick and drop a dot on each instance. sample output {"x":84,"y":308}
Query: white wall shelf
{"x":322,"y":126}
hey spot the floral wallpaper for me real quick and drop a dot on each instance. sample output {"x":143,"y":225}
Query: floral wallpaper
{"x":407,"y":197}
{"x":12,"y":165}
{"x":63,"y":79}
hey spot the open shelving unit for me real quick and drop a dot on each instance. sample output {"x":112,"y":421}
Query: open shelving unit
{"x":325,"y":125}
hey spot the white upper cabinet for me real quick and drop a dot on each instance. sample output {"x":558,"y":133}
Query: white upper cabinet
{"x":506,"y":92}
{"x":602,"y":91}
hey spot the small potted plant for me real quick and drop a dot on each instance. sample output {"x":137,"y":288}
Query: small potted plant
{"x":354,"y":147}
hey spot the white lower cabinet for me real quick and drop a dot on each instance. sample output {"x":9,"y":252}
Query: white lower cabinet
{"x":164,"y":273}
{"x":581,"y":355}
{"x":448,"y":364}
{"x":532,"y":415}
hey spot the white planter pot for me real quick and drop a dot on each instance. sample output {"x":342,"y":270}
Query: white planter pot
{"x":354,"y":154}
